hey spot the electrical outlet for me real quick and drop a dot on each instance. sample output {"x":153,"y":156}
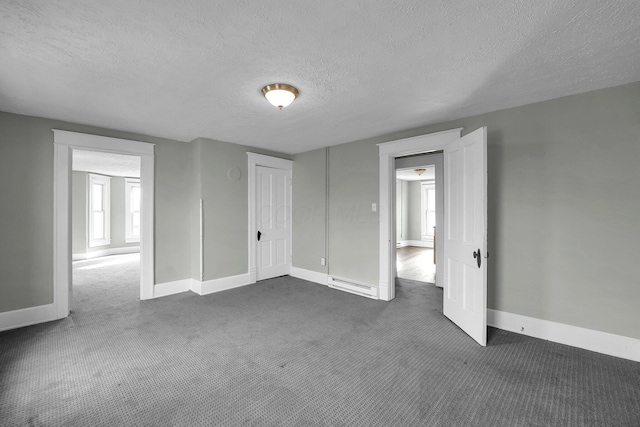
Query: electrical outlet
{"x":323,"y":261}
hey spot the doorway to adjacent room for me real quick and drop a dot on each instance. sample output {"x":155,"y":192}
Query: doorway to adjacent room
{"x":106,"y":221}
{"x":418,"y":211}
{"x":65,"y":143}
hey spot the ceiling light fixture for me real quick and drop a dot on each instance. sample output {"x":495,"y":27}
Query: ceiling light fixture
{"x":280,"y":94}
{"x":419,"y":171}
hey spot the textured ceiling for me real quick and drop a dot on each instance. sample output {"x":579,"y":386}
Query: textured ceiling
{"x":106,"y":163}
{"x":194,"y":68}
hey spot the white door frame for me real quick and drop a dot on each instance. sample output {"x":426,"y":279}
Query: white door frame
{"x":256,"y":160}
{"x":388,"y":151}
{"x":64,"y":144}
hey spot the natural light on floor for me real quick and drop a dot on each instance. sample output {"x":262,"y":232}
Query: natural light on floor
{"x":106,"y":261}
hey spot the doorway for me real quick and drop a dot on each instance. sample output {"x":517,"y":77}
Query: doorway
{"x":64,"y":144}
{"x":419,"y":208}
{"x":465,"y":225}
{"x":106,"y":223}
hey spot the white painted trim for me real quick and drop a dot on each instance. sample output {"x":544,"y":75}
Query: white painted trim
{"x":309,"y":275}
{"x":353,"y":287}
{"x":105,"y":252}
{"x":255,"y":160}
{"x":170,"y":288}
{"x":62,"y":158}
{"x":201,"y":287}
{"x":103,"y":143}
{"x":388,"y":152}
{"x":588,"y":339}
{"x":219,"y":285}
{"x":418,"y":243}
{"x":270,"y":162}
{"x":147,"y":231}
{"x":64,"y":144}
{"x":201,"y":240}
{"x":27,"y":316}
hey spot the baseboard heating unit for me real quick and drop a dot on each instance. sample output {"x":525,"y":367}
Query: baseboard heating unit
{"x":353,"y":287}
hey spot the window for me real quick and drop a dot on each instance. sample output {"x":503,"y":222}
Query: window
{"x":428,"y":210}
{"x":99,"y":212}
{"x":132,"y":210}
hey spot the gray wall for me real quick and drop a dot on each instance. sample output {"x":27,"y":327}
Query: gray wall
{"x":350,"y":219}
{"x":184,"y":173}
{"x":402,"y":211}
{"x":405,"y":210}
{"x":26,"y":216}
{"x":414,"y":202}
{"x":353,"y":187}
{"x":563,"y":208}
{"x":195,"y":194}
{"x":226,"y":207}
{"x":79,"y":214}
{"x":118,"y":214}
{"x":309,"y":210}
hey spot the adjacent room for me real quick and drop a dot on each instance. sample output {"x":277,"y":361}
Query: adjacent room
{"x":418,"y":210}
{"x":319,"y":214}
{"x":106,"y":224}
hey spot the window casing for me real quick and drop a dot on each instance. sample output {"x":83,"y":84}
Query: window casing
{"x":99,"y":197}
{"x":133,"y":200}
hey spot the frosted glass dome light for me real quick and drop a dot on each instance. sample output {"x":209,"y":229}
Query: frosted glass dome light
{"x":279,"y":94}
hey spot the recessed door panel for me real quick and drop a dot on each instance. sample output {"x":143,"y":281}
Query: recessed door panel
{"x":465,"y":249}
{"x":273,"y":221}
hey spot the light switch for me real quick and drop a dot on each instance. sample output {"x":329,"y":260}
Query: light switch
{"x":374,"y":207}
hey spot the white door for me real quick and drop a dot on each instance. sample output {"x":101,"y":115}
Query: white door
{"x":465,"y":277}
{"x":273,"y":193}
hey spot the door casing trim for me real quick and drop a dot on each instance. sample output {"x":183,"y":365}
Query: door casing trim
{"x":388,"y":151}
{"x":64,"y":144}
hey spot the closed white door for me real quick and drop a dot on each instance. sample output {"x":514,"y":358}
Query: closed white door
{"x":273,"y":193}
{"x":465,"y":278}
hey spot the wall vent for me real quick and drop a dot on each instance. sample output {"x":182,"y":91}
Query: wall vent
{"x":353,"y":287}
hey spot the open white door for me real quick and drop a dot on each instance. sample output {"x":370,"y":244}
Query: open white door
{"x":465,"y":249}
{"x":273,"y":187}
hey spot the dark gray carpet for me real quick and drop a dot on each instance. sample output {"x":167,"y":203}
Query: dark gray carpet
{"x":292,"y":353}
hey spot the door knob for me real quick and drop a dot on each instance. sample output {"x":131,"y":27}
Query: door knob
{"x":478,"y":258}
{"x":259,"y":234}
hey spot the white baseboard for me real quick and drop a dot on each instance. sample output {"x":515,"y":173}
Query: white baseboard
{"x":105,"y":252}
{"x":418,"y":243}
{"x":46,"y":313}
{"x":201,"y":288}
{"x":588,"y":339}
{"x":219,"y":285}
{"x":27,"y":316}
{"x":170,"y":288}
{"x":309,"y":275}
